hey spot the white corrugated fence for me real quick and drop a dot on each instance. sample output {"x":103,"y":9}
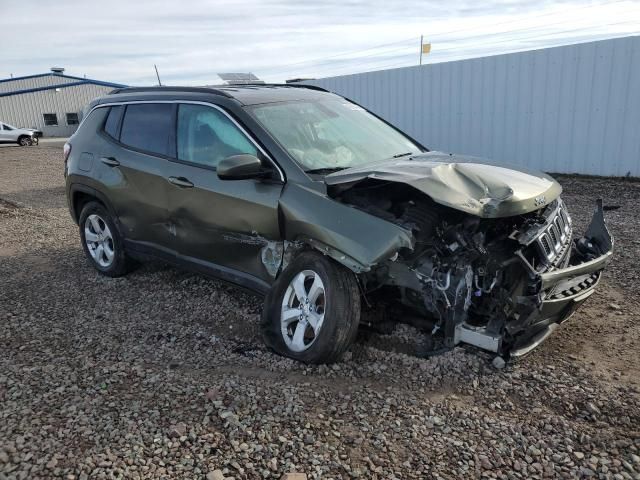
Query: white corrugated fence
{"x":569,"y":109}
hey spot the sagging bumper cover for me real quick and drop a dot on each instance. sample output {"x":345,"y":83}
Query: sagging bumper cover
{"x":561,"y":291}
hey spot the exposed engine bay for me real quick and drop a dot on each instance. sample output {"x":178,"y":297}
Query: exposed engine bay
{"x":479,"y":281}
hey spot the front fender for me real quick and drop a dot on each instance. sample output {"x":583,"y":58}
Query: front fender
{"x":350,"y":236}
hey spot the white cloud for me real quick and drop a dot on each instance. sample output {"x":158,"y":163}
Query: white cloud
{"x":277,"y":39}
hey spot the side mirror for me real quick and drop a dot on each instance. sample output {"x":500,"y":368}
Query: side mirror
{"x":240,"y":167}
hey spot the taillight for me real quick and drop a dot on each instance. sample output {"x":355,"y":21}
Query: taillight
{"x":66,"y":150}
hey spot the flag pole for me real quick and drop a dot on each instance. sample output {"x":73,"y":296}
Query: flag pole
{"x":421,"y":40}
{"x":157,"y":75}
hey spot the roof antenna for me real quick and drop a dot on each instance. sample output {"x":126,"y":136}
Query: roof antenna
{"x":157,"y":75}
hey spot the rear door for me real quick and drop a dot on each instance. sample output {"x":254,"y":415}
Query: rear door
{"x":132,"y":167}
{"x":230,"y":225}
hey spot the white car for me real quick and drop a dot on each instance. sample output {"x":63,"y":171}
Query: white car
{"x":22,"y":136}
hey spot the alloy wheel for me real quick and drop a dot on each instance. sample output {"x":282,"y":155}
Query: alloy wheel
{"x":99,"y":240}
{"x":303,"y":309}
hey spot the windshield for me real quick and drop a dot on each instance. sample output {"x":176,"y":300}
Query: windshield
{"x":331,"y":134}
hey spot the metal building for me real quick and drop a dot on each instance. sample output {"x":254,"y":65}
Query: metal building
{"x":569,"y":109}
{"x":50,"y":102}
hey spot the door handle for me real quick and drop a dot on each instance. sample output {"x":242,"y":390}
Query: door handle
{"x":180,"y":182}
{"x":110,"y":161}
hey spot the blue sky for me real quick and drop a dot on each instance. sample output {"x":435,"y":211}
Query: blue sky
{"x":191,"y":41}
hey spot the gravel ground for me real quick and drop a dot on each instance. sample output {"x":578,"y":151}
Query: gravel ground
{"x":162,"y":374}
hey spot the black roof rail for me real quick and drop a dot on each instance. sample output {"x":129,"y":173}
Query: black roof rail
{"x":164,"y":88}
{"x":302,"y":85}
{"x":268,"y":85}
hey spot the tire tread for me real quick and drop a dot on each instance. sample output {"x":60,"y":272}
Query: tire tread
{"x":345,"y":295}
{"x":122,"y":263}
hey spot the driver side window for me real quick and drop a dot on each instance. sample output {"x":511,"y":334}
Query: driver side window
{"x":205,"y":136}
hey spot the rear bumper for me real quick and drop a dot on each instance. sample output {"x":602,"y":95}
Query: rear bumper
{"x":562,"y":291}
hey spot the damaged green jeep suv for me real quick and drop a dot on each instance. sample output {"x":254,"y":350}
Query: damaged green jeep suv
{"x":309,"y":199}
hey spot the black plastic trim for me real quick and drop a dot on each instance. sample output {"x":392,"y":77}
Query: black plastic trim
{"x":213,"y":91}
{"x":75,"y":188}
{"x":210,"y":269}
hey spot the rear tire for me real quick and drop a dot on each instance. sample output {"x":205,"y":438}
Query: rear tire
{"x":102,"y":242}
{"x":328,"y":312}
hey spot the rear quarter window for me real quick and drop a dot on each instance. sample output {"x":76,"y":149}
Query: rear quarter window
{"x":148,"y":127}
{"x":112,"y":123}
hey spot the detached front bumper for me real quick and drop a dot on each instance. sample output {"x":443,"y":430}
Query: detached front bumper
{"x":561,"y":291}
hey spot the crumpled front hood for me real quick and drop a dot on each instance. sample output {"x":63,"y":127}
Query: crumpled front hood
{"x":461,"y":182}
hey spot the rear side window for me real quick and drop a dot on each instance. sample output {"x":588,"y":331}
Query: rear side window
{"x":113,"y":121}
{"x":206,"y":136}
{"x":148,"y":127}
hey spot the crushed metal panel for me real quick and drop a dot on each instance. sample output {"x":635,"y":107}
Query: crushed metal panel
{"x":271,"y":255}
{"x":477,"y":337}
{"x":337,"y":255}
{"x":362,"y":239}
{"x":464,"y":183}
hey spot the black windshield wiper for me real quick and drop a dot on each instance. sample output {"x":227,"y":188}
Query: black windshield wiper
{"x":325,"y":170}
{"x":398,"y":155}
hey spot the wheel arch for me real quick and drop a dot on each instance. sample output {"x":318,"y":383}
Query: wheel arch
{"x":80,"y":195}
{"x":307,"y":244}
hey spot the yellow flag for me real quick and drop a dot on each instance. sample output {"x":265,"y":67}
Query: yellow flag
{"x":426,"y":48}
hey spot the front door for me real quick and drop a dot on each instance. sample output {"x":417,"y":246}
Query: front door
{"x":5,"y":133}
{"x":230,"y":225}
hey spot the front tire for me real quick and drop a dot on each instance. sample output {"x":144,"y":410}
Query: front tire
{"x":102,"y":242}
{"x":25,"y":141}
{"x":312,"y":311}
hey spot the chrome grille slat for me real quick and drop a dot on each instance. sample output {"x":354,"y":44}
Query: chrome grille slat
{"x":561,"y":225}
{"x":565,"y":218}
{"x":546,"y":245}
{"x":555,"y":236}
{"x":560,"y":228}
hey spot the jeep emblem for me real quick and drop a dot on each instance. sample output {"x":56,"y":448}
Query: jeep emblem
{"x":539,"y":201}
